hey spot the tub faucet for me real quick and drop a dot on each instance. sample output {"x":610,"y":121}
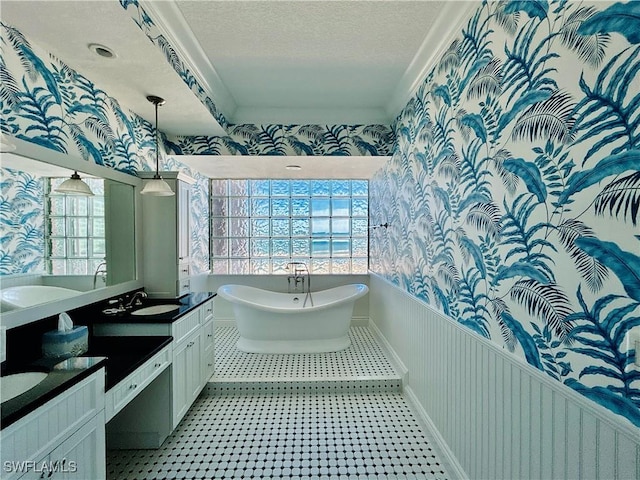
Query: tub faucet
{"x":296,"y":275}
{"x":100,"y":269}
{"x":300,"y":272}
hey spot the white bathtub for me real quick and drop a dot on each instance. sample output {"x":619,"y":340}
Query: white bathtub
{"x":24,"y":296}
{"x":272,"y":322}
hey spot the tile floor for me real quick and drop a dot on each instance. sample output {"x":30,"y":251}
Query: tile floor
{"x":365,"y":358}
{"x":316,"y":433}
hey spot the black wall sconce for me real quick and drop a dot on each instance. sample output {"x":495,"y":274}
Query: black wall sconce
{"x":385,"y":225}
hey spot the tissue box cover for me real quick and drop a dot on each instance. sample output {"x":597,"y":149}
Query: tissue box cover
{"x":56,"y":344}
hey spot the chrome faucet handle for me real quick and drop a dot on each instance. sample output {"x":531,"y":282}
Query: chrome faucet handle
{"x":120,"y":302}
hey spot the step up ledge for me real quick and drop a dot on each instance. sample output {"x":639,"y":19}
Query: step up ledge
{"x":304,"y":386}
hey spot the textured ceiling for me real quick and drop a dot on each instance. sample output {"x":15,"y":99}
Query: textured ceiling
{"x":291,"y":57}
{"x":66,"y":28}
{"x":271,"y":61}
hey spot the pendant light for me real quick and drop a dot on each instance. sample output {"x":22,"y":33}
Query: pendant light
{"x":157,"y":186}
{"x":74,"y":186}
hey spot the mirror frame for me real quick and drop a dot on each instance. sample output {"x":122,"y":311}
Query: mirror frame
{"x":27,"y":315}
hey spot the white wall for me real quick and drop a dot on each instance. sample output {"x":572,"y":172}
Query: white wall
{"x":500,"y":417}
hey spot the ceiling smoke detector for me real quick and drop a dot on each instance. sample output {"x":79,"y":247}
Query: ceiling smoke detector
{"x":101,"y":50}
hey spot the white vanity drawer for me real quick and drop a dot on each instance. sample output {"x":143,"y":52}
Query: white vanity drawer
{"x":120,"y":395}
{"x":208,"y":332}
{"x":207,"y":311}
{"x":184,"y":286}
{"x":184,"y":326}
{"x":184,"y":270}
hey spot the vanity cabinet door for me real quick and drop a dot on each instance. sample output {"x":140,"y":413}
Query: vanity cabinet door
{"x":194,"y":368}
{"x":82,"y":454}
{"x":180,"y":399}
{"x":186,"y":376}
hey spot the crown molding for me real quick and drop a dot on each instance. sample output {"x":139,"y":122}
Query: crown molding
{"x":169,"y":20}
{"x":308,"y":116}
{"x":451,"y":18}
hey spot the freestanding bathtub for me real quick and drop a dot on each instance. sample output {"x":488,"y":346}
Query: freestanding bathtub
{"x":272,"y":322}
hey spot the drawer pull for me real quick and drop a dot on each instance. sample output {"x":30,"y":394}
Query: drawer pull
{"x":133,"y":386}
{"x":158,"y":364}
{"x":209,"y":335}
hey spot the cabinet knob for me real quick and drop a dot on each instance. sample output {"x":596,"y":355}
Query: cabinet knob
{"x":133,"y":386}
{"x":209,"y":335}
{"x":157,"y":365}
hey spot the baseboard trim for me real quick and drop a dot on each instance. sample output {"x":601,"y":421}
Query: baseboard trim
{"x":451,"y":463}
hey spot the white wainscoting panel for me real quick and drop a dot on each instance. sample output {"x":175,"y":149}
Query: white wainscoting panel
{"x":500,"y":417}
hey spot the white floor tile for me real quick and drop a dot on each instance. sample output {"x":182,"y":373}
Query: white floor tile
{"x":324,"y":416}
{"x":303,"y":436}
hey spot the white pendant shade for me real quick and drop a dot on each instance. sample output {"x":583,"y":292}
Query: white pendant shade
{"x":74,"y":186}
{"x":157,"y":187}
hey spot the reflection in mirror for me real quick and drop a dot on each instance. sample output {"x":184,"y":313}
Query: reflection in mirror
{"x":62,"y":244}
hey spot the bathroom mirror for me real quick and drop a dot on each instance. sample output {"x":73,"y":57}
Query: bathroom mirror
{"x":81,"y":249}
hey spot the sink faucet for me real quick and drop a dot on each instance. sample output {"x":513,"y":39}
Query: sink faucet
{"x":101,"y":269}
{"x":135,"y":299}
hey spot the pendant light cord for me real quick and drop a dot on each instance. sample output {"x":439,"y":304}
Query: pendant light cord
{"x":157,"y":144}
{"x":157,"y":101}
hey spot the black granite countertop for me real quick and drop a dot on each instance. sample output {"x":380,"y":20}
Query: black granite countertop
{"x":125,"y":354}
{"x":185,"y":304}
{"x":61,"y":376}
{"x":119,"y":355}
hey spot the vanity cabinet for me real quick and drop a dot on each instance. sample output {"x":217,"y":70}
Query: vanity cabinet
{"x":187,"y":378}
{"x":64,"y":438}
{"x":130,"y":387}
{"x":166,"y":236}
{"x":192,"y":360}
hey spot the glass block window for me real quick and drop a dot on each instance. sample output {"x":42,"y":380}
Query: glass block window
{"x":74,"y":229}
{"x":259,"y":226}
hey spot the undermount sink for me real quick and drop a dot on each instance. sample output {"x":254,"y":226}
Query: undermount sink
{"x":13,"y":385}
{"x":155,"y":309}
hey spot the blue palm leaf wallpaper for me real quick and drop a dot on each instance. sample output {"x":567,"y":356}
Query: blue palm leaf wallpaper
{"x":142,"y":18}
{"x":272,"y":139}
{"x":44,"y":101}
{"x":514,"y":189}
{"x":21,"y":223}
